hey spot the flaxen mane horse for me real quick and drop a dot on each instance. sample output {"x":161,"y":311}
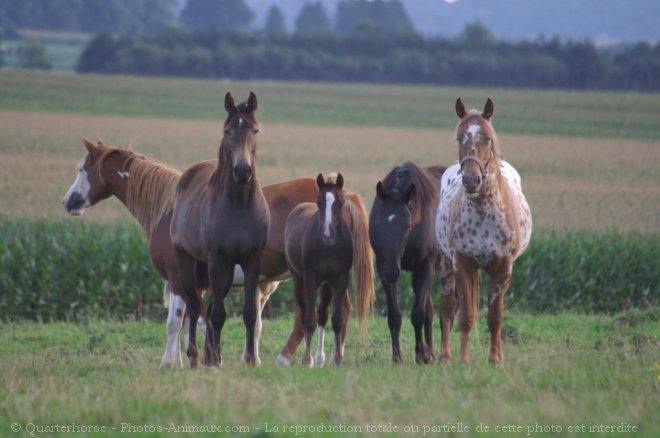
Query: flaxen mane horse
{"x":221,"y":218}
{"x":402,"y":234}
{"x":323,"y":241}
{"x":483,"y":221}
{"x":147,"y":188}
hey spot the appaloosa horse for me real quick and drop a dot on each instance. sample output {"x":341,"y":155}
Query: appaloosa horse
{"x":402,"y":234}
{"x":221,"y":218}
{"x":322,"y":242}
{"x":482,"y":221}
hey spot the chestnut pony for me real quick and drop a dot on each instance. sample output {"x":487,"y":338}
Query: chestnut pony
{"x":322,"y":241}
{"x":402,"y":234}
{"x":483,"y":221}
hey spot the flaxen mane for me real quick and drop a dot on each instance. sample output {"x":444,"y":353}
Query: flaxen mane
{"x":151,"y":191}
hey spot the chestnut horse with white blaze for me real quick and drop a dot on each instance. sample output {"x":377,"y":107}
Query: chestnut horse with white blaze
{"x":221,"y":218}
{"x":323,"y":241}
{"x":483,"y":221}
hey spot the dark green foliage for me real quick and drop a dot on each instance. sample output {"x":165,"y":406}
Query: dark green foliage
{"x":386,"y":15}
{"x":371,"y":54}
{"x":275,"y":26}
{"x":575,"y":271}
{"x":312,"y":19}
{"x":32,"y":55}
{"x":56,"y":270}
{"x":67,"y":270}
{"x":224,"y":15}
{"x":120,"y":16}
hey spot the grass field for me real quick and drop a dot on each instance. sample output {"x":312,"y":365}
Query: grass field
{"x":562,"y":371}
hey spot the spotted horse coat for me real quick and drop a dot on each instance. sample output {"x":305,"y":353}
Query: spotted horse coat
{"x":483,"y":221}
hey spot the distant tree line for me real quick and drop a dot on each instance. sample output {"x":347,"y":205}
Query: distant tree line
{"x":370,"y":54}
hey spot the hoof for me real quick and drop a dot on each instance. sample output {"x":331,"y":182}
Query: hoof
{"x":445,"y":358}
{"x":319,"y":359}
{"x":282,"y":361}
{"x":396,"y":359}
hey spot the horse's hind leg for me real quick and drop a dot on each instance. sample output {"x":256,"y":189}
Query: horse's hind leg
{"x":447,"y":308}
{"x":500,"y":276}
{"x":421,"y":283}
{"x":298,"y":332}
{"x":338,"y":320}
{"x":347,"y":317}
{"x":326,"y":297}
{"x":186,"y":268}
{"x":175,"y":316}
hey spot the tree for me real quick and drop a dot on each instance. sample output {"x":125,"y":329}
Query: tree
{"x":32,"y":55}
{"x":388,"y":15}
{"x":275,"y":25}
{"x":312,"y":19}
{"x":225,"y":15}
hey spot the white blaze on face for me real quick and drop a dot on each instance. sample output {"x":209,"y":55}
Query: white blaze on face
{"x":80,"y":187}
{"x":329,"y":200}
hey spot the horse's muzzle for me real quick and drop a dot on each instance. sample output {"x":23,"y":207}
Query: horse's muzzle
{"x":74,"y":205}
{"x":242,"y":173}
{"x":472,"y":183}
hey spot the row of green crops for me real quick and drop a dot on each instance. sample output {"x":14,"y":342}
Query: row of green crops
{"x":68,"y":270}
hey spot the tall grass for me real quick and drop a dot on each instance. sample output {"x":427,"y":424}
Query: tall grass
{"x":61,"y":270}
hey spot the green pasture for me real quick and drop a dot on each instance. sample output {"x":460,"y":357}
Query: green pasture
{"x":562,"y":372}
{"x":592,"y":114}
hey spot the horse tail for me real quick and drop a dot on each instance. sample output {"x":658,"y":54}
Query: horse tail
{"x":363,"y":267}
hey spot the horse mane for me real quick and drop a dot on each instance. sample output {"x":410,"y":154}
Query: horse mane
{"x":151,"y":191}
{"x":151,"y":185}
{"x":426,"y":192}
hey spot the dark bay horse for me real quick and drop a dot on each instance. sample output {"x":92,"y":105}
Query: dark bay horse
{"x":221,"y":218}
{"x":322,"y":242}
{"x":483,"y":221}
{"x":146,"y":187}
{"x":402,"y":234}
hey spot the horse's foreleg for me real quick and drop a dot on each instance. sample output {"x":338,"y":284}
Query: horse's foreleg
{"x":447,"y":307}
{"x":309,"y":318}
{"x":421,"y":283}
{"x":347,"y":316}
{"x":298,"y":332}
{"x":221,"y":275}
{"x":175,"y":316}
{"x":251,"y":310}
{"x":500,"y":276}
{"x":340,"y":291}
{"x":464,"y":277}
{"x":186,"y":269}
{"x":326,"y":297}
{"x":393,"y":318}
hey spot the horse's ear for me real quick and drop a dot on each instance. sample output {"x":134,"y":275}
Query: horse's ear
{"x":410,"y":193}
{"x":99,"y":141}
{"x":252,"y":102}
{"x":91,"y":148}
{"x":340,"y":181}
{"x":460,"y":108}
{"x":229,"y":102}
{"x":320,"y":181}
{"x":489,"y":109}
{"x":380,"y":191}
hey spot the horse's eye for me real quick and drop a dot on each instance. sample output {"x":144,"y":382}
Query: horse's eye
{"x":226,"y":131}
{"x":256,"y":130}
{"x":80,"y":170}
